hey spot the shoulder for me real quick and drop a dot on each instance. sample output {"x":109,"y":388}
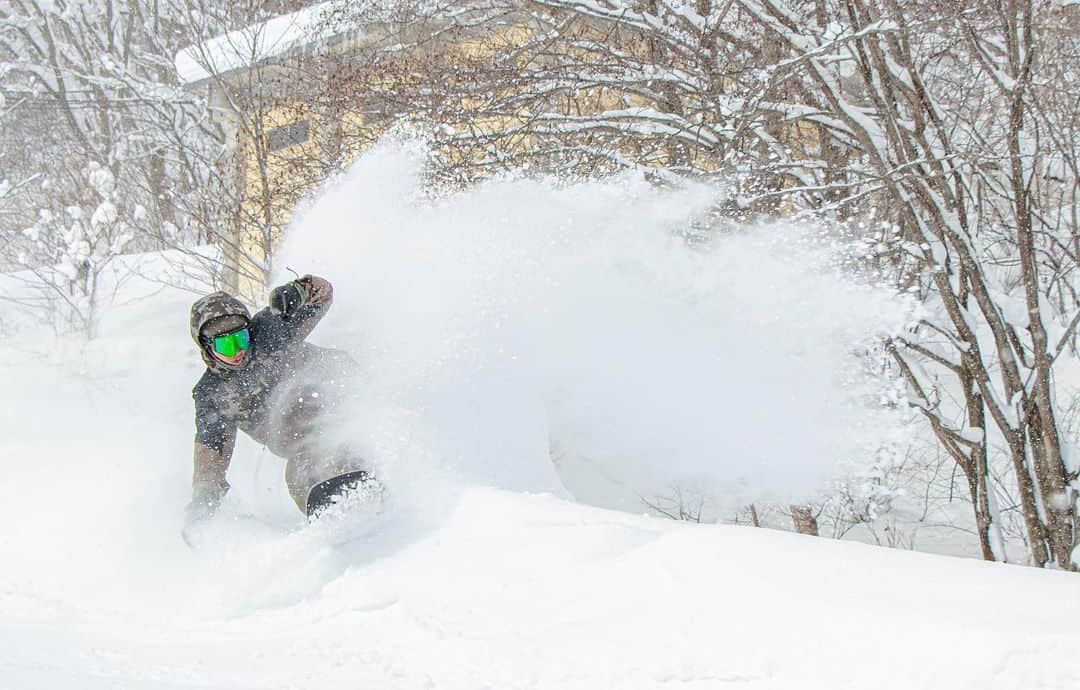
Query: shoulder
{"x":205,"y":387}
{"x":211,"y":411}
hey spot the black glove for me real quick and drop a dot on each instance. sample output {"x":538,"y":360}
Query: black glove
{"x":287,"y":299}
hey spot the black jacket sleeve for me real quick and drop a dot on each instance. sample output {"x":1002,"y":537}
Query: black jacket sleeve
{"x":215,"y":438}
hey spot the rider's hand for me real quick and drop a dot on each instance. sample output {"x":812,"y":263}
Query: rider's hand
{"x":197,"y":512}
{"x":205,"y":497}
{"x":287,"y":299}
{"x":195,"y":515}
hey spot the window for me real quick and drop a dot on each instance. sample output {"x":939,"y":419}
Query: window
{"x":287,"y":135}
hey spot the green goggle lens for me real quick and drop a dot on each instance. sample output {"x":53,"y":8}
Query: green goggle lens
{"x":229,"y":344}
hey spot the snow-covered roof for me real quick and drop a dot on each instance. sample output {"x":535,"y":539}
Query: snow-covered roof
{"x":289,"y":33}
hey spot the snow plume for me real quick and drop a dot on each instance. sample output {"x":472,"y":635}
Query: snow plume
{"x":525,"y":322}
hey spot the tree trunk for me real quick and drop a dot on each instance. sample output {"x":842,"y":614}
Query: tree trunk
{"x":805,"y":522}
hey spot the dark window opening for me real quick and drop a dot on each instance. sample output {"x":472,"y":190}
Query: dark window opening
{"x":287,"y":135}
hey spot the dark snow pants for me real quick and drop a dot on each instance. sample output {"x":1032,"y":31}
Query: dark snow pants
{"x":316,"y":469}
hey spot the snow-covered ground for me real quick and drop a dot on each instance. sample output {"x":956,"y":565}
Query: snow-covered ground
{"x":491,"y":327}
{"x":512,"y":590}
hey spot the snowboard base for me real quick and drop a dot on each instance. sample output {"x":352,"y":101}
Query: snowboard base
{"x":335,"y":490}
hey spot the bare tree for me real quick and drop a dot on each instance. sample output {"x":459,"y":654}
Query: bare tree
{"x":943,"y":113}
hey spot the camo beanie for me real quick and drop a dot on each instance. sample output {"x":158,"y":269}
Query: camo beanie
{"x":207,"y":309}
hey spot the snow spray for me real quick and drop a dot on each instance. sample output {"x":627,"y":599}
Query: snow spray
{"x":543,"y":335}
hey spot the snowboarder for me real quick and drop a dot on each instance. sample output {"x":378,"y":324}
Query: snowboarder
{"x":263,"y":379}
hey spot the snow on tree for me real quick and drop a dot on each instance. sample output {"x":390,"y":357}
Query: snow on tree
{"x":67,"y":249}
{"x":94,"y":98}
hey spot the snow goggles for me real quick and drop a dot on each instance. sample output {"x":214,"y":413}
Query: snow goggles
{"x":228,"y":344}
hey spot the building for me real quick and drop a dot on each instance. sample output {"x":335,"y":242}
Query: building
{"x":284,"y":124}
